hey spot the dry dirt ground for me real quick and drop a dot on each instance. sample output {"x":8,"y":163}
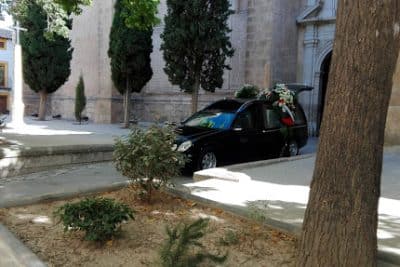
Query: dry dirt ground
{"x":141,"y":239}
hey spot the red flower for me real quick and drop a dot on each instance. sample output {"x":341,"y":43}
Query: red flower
{"x":287,"y":121}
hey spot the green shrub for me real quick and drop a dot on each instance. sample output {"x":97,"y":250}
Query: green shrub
{"x":80,"y":99}
{"x":183,"y":249}
{"x":247,"y":91}
{"x":99,"y":218}
{"x":147,"y":158}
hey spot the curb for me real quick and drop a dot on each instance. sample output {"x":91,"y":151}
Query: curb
{"x":15,"y":253}
{"x":237,"y":211}
{"x":63,"y":195}
{"x":57,"y":150}
{"x":209,"y":174}
{"x":386,"y":259}
{"x":20,"y":161}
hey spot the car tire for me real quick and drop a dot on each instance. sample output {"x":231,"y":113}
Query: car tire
{"x":207,"y":160}
{"x":290,"y":149}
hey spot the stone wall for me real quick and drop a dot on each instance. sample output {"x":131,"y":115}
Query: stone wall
{"x":272,"y":41}
{"x":259,"y":42}
{"x":89,"y":37}
{"x":392,"y":134}
{"x":90,"y":41}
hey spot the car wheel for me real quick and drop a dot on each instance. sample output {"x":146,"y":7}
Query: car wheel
{"x":290,"y":149}
{"x":207,"y":160}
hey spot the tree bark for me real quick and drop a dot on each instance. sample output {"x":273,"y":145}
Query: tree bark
{"x":42,"y":105}
{"x":340,"y":224}
{"x":195,"y":93}
{"x":127,"y":105}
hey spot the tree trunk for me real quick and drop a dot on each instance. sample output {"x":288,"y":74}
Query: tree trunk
{"x":195,"y":93}
{"x":340,"y":224}
{"x":127,"y":105}
{"x":42,"y":105}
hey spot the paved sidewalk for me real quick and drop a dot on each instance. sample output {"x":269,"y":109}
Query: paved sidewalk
{"x":280,"y":189}
{"x":280,"y":192}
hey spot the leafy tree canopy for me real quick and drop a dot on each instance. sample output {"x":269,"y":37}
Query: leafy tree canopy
{"x":46,"y":62}
{"x":140,"y":14}
{"x":56,"y":12}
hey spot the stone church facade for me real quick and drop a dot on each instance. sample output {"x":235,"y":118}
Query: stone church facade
{"x":274,"y":41}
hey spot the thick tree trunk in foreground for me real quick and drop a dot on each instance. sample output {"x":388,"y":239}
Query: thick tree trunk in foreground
{"x":340,"y":224}
{"x":42,"y":105}
{"x":127,"y":105}
{"x":195,"y":94}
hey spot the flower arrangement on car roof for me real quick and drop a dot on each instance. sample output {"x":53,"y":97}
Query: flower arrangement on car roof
{"x":282,"y":100}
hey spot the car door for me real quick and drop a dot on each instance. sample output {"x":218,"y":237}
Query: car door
{"x":248,"y":129}
{"x":272,"y":136}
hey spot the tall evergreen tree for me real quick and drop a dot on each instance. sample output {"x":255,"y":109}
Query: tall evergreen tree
{"x":196,"y":44}
{"x":80,"y":99}
{"x":129,"y":51}
{"x":46,"y":61}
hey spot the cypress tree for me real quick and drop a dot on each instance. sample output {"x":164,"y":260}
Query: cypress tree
{"x":130,"y":50}
{"x":80,"y":99}
{"x":196,"y":44}
{"x":46,"y":61}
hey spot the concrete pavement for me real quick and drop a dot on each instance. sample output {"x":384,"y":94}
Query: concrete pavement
{"x":278,"y":189}
{"x":280,"y":192}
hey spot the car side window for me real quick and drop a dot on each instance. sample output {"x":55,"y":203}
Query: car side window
{"x":271,"y":118}
{"x":247,"y":119}
{"x":299,"y":116}
{"x":244,"y":120}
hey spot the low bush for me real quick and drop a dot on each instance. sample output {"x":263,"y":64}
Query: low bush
{"x":99,"y":218}
{"x":247,"y":91}
{"x":147,"y":157}
{"x":183,"y":248}
{"x":230,"y":238}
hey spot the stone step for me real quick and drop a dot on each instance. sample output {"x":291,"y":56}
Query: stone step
{"x":16,"y":160}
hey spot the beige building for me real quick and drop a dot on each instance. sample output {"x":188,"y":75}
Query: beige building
{"x":274,"y":41}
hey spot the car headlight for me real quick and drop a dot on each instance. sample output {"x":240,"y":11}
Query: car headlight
{"x":185,"y":146}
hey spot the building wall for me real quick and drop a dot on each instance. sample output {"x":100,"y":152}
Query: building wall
{"x":272,"y":41}
{"x":392,"y":134}
{"x":90,"y":38}
{"x":160,"y":100}
{"x":7,"y":58}
{"x":318,"y":32}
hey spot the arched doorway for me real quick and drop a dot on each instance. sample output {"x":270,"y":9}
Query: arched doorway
{"x":324,"y":76}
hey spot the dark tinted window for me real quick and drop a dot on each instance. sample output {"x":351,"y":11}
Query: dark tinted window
{"x":248,"y":118}
{"x":299,"y":116}
{"x":271,"y":118}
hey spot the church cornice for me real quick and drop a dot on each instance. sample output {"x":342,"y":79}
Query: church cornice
{"x":306,"y":17}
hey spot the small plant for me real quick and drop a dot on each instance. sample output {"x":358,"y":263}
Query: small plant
{"x":80,"y":99}
{"x":247,"y":91}
{"x":183,"y":249}
{"x":99,"y":218}
{"x":148,"y":158}
{"x":229,"y":239}
{"x":257,"y":213}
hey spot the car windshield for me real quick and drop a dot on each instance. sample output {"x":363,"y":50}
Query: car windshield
{"x":213,"y":119}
